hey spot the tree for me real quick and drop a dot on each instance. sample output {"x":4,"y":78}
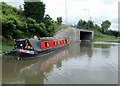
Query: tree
{"x":90,"y":25}
{"x":105,"y":25}
{"x":49,"y":24}
{"x":97,"y":27}
{"x":59,"y":20}
{"x":112,"y":33}
{"x":47,"y":20}
{"x":80,"y":24}
{"x":85,"y":25}
{"x":31,"y":27}
{"x":35,"y":10}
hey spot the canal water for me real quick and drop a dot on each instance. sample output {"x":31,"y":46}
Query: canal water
{"x":79,"y":63}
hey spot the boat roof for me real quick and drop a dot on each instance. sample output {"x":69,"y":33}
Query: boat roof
{"x":42,"y":39}
{"x":20,"y":39}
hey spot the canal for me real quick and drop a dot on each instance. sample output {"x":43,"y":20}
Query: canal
{"x":79,"y":63}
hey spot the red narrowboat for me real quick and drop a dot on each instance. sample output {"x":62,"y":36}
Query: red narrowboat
{"x":35,"y":46}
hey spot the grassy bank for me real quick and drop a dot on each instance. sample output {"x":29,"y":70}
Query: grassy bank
{"x":7,"y":48}
{"x":58,"y":28}
{"x":98,"y":36}
{"x":7,"y":45}
{"x":0,"y":47}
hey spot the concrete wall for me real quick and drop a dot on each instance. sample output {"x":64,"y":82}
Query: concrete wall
{"x":74,"y":34}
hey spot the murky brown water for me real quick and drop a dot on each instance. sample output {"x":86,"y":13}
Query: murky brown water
{"x":79,"y":63}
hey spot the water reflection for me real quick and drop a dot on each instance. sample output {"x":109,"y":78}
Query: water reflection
{"x":86,"y":48}
{"x":105,"y":49}
{"x":102,"y":45}
{"x":32,"y":69}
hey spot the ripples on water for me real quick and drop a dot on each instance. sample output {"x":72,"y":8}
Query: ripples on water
{"x":79,"y":63}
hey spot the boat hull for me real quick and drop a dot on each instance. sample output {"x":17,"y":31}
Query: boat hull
{"x":25,"y":54}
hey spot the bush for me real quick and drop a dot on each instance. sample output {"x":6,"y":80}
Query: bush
{"x":18,"y":34}
{"x":10,"y":27}
{"x":16,"y":26}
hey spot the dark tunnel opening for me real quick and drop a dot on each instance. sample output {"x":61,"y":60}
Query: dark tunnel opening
{"x":85,"y":35}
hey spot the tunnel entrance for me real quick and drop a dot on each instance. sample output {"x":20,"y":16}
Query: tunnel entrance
{"x":85,"y":35}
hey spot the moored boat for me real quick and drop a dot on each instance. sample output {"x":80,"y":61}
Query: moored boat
{"x":35,"y":46}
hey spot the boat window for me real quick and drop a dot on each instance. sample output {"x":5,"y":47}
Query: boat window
{"x":54,"y":42}
{"x":46,"y":44}
{"x":58,"y":42}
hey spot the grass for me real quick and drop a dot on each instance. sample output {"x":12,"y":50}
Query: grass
{"x":58,"y":28}
{"x":7,"y":48}
{"x":7,"y":45}
{"x":98,"y":36}
{"x":0,"y":47}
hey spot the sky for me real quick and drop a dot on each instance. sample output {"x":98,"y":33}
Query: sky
{"x":96,"y":10}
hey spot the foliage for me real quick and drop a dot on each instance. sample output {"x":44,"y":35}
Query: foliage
{"x":16,"y":26}
{"x":82,"y":24}
{"x":98,"y":36}
{"x":20,"y":10}
{"x":10,"y":24}
{"x":35,"y":10}
{"x":49,"y":24}
{"x":113,"y":33}
{"x":90,"y":25}
{"x":97,"y":27}
{"x":104,"y":29}
{"x":31,"y":26}
{"x":85,"y":25}
{"x":105,"y":25}
{"x":8,"y":9}
{"x":59,"y":20}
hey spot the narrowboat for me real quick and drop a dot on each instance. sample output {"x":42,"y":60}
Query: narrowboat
{"x":35,"y":46}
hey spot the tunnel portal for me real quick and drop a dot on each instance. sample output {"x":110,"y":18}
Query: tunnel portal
{"x":75,"y":34}
{"x":85,"y":35}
